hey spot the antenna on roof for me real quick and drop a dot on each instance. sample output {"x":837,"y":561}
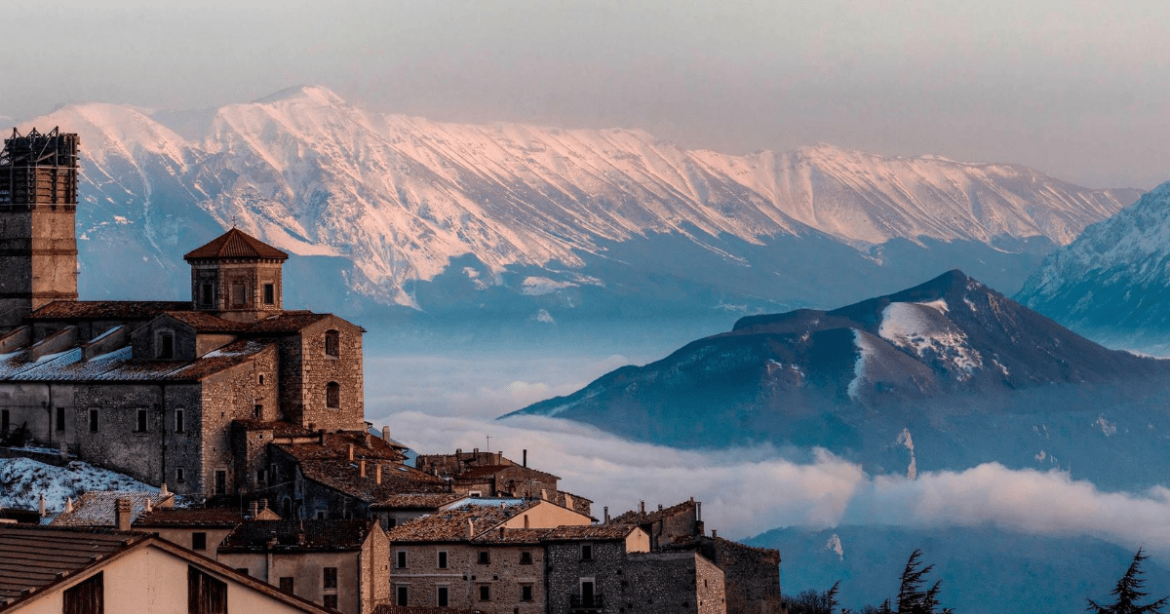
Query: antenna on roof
{"x":489,"y":441}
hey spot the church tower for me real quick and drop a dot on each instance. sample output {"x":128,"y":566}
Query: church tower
{"x":38,"y":237}
{"x":237,"y":277}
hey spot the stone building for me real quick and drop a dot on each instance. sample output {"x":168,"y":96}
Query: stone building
{"x":153,"y":388}
{"x":477,"y":553}
{"x":491,"y":474}
{"x":341,"y":565}
{"x":199,"y":529}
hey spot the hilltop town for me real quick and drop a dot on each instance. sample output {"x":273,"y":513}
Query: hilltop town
{"x":270,"y":488}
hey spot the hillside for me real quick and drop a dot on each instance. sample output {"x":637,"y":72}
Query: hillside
{"x":945,"y":375}
{"x":401,"y":211}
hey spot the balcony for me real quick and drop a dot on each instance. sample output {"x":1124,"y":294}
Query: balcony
{"x":586,"y":604}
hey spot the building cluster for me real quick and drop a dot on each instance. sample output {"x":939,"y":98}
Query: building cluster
{"x":274,"y":492}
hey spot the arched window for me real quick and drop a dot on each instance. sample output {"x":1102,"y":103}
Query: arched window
{"x":333,"y":395}
{"x":332,"y":343}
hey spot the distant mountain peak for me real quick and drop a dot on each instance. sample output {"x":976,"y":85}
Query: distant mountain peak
{"x":312,"y":93}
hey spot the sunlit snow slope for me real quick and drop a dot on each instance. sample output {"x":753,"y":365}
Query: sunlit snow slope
{"x":388,"y":203}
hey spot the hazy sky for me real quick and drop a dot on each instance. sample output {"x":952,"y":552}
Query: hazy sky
{"x":1078,"y":89}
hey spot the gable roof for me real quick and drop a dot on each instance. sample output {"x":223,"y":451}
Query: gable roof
{"x":640,"y":518}
{"x":299,"y":536}
{"x":222,"y":517}
{"x":457,"y":524}
{"x":416,"y":501}
{"x":96,"y":508}
{"x":596,"y":532}
{"x":235,"y":244}
{"x":119,"y":366}
{"x":34,"y":557}
{"x":345,"y":477}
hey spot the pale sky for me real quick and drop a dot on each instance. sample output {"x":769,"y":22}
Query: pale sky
{"x":1078,"y":89}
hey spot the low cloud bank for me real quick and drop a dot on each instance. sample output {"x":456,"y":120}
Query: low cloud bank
{"x":747,"y":491}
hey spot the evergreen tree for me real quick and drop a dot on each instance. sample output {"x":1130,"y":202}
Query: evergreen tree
{"x":1128,"y":592}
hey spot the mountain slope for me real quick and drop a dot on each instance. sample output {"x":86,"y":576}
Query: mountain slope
{"x":406,"y":211}
{"x":946,"y":375}
{"x":1114,"y":280}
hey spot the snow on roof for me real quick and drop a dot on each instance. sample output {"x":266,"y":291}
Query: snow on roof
{"x":119,"y":366}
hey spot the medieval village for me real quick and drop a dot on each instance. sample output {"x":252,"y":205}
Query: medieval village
{"x":270,"y":490}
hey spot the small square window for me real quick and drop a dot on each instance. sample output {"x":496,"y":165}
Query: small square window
{"x":286,"y":584}
{"x":179,"y":476}
{"x":243,"y":571}
{"x":485,"y":557}
{"x":199,"y":541}
{"x":330,"y":601}
{"x":526,"y":558}
{"x":93,"y":420}
{"x":586,"y":552}
{"x":180,"y":421}
{"x":60,"y":418}
{"x":401,"y":561}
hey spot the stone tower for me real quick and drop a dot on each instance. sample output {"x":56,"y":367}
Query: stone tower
{"x":38,"y":238}
{"x":237,"y":277}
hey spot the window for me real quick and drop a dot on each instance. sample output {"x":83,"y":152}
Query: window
{"x":286,"y":584}
{"x":221,"y":482}
{"x":199,"y":541}
{"x":205,"y":594}
{"x":526,"y":558}
{"x":401,"y":562}
{"x":166,"y":345}
{"x":586,"y":552}
{"x":239,"y":298}
{"x":525,"y":592}
{"x":485,"y":592}
{"x":93,"y":420}
{"x":400,"y":596}
{"x":332,"y":343}
{"x":207,"y":294}
{"x":269,"y":294}
{"x":260,"y":476}
{"x":587,"y":596}
{"x":442,"y":562}
{"x":85,"y":598}
{"x":258,"y":412}
{"x":180,"y":424}
{"x":391,"y":523}
{"x":60,"y":418}
{"x":4,"y":420}
{"x":321,"y":514}
{"x":330,"y":577}
{"x":329,"y":601}
{"x":141,"y":425}
{"x":444,"y":597}
{"x":333,"y":395}
{"x":179,"y":476}
{"x":484,"y":557}
{"x":260,"y":379}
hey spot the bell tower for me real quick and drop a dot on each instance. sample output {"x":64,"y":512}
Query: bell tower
{"x":38,"y":237}
{"x":237,"y":277}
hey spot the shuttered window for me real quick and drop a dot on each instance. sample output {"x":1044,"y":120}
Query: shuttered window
{"x":205,"y":594}
{"x":85,"y":598}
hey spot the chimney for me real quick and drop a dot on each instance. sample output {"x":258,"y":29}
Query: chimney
{"x":642,"y":507}
{"x":660,"y":507}
{"x":568,"y":501}
{"x":501,"y":533}
{"x":378,"y":474}
{"x":253,"y":509}
{"x":122,"y":512}
{"x":525,"y":463}
{"x":162,"y":489}
{"x":351,"y":451}
{"x":502,"y":506}
{"x":699,"y":511}
{"x":148,"y":508}
{"x":386,"y":433}
{"x":368,"y":440}
{"x":470,"y":528}
{"x":476,"y":452}
{"x":714,"y":533}
{"x":607,"y":514}
{"x":361,"y":468}
{"x":69,"y":505}
{"x":543,"y":494}
{"x":43,"y":511}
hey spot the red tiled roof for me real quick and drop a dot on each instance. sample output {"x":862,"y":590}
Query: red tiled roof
{"x":37,"y":557}
{"x":204,"y":322}
{"x":453,"y":526}
{"x":336,"y":447}
{"x":635,"y":517}
{"x":416,"y":501}
{"x":511,"y":536}
{"x":345,"y":476}
{"x":235,"y":244}
{"x":96,"y":507}
{"x":286,"y":322}
{"x":191,"y":517}
{"x":299,"y":535}
{"x":103,"y":310}
{"x":596,"y":532}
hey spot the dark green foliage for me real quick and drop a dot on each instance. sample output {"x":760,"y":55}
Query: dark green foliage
{"x":812,"y":602}
{"x":912,"y":599}
{"x":1128,"y":592}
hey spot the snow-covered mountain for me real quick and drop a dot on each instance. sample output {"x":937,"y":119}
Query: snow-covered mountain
{"x":405,"y":211}
{"x":946,"y":375}
{"x":1113,"y":282}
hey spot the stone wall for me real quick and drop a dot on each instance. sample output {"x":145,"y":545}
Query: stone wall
{"x":565,"y":570}
{"x":38,"y":260}
{"x":225,"y":275}
{"x":666,"y":583}
{"x":504,"y":576}
{"x":229,"y":395}
{"x":752,"y":575}
{"x":317,"y":370}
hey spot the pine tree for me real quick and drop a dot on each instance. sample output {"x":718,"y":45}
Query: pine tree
{"x":1128,"y":592}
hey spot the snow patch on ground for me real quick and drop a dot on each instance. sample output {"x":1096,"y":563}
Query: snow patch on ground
{"x":865,"y":352}
{"x":538,"y":286}
{"x":921,"y":328}
{"x":906,"y":441}
{"x":23,"y":481}
{"x":1108,"y":428}
{"x":834,"y":544}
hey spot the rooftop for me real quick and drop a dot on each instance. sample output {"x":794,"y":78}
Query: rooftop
{"x":36,"y":557}
{"x":336,"y":447}
{"x":191,"y":517}
{"x":345,"y":476}
{"x":96,"y":508}
{"x":107,"y":310}
{"x":118,"y":365}
{"x":636,"y":517}
{"x":416,"y":501}
{"x":456,"y":525}
{"x":235,"y":244}
{"x":596,"y":532}
{"x":299,"y":536}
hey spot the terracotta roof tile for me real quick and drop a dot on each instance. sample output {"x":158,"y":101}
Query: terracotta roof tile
{"x":345,"y":477}
{"x":456,"y":525}
{"x":336,"y":447}
{"x":299,"y":536}
{"x":635,"y":517}
{"x":596,"y":532}
{"x":191,"y":517}
{"x":238,"y":245}
{"x":96,"y":508}
{"x":286,"y":322}
{"x":34,"y":557}
{"x":204,"y":322}
{"x":511,"y":536}
{"x":107,"y":310}
{"x":416,"y":501}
